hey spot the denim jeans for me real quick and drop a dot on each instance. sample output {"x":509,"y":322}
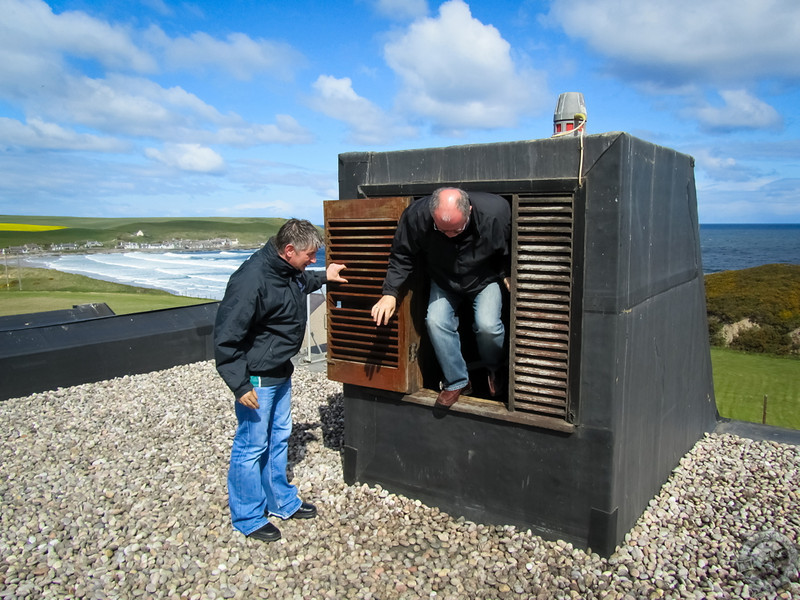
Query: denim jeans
{"x":257,"y":480}
{"x":442,"y":323}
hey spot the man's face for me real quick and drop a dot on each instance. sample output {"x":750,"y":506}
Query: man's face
{"x":300,"y":259}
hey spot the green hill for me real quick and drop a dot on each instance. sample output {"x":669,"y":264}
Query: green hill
{"x":756,"y":309}
{"x":250,"y":232}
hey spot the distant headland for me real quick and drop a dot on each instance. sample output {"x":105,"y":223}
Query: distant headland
{"x":20,"y":235}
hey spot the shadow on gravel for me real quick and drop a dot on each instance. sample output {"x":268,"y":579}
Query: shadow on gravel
{"x":332,"y":417}
{"x":302,"y":434}
{"x":332,"y":425}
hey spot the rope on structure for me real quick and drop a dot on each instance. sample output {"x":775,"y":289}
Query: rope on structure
{"x":581,"y":129}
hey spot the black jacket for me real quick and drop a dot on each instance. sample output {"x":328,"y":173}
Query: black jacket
{"x":464,"y":264}
{"x":261,"y":319}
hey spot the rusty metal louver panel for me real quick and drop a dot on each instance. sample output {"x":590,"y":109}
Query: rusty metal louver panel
{"x":542,"y":246}
{"x":359,"y":234}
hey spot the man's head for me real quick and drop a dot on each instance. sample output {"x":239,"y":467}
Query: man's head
{"x":298,"y":241}
{"x":450,"y":209}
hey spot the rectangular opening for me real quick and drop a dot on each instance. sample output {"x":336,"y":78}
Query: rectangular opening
{"x":539,"y":313}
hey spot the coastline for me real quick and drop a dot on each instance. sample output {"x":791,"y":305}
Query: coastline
{"x":196,"y":273}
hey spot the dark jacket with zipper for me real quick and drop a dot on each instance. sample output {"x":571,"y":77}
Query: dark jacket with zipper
{"x":261,"y":320}
{"x":464,"y":264}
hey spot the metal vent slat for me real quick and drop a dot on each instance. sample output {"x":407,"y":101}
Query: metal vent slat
{"x":547,"y":339}
{"x":547,"y":349}
{"x":364,"y":246}
{"x":542,"y":304}
{"x":552,"y":395}
{"x":541,"y":408}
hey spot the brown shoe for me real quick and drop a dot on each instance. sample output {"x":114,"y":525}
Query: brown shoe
{"x":447,"y":398}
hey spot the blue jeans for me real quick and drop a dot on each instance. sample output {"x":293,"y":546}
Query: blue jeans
{"x":257,"y":480}
{"x":442,"y":323}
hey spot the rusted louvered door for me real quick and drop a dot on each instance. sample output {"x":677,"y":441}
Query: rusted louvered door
{"x":542,"y":259}
{"x":359,"y":233}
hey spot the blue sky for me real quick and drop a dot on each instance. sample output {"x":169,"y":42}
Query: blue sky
{"x":158,"y":108}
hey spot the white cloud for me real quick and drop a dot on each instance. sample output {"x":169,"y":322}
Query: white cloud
{"x":741,"y":110}
{"x":42,"y":135}
{"x":724,"y":168}
{"x":138,"y":107}
{"x":188,"y":157}
{"x":37,"y":77}
{"x":285,"y":130}
{"x":61,"y":183}
{"x":713,"y":40}
{"x":401,"y":9}
{"x":782,"y":195}
{"x":121,"y":104}
{"x":30,"y":26}
{"x":237,"y":55}
{"x":746,"y":165}
{"x":159,"y":6}
{"x":460,"y":73}
{"x":766,"y":200}
{"x":369,"y":124}
{"x":256,"y":175}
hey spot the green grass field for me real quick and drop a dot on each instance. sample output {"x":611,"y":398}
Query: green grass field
{"x":742,"y":380}
{"x":45,"y":290}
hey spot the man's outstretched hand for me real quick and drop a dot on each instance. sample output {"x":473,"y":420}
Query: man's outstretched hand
{"x":384,"y":309}
{"x":333,"y":273}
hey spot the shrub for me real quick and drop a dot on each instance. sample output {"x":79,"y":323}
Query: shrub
{"x":766,"y":339}
{"x":715,"y":331}
{"x":768,"y":295}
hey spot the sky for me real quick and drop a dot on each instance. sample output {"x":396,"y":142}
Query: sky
{"x":155,"y":108}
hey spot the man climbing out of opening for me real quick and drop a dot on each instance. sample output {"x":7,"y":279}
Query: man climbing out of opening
{"x":463,"y":240}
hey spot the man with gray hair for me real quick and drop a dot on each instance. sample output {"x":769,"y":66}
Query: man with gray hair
{"x":259,"y":328}
{"x":463,"y":239}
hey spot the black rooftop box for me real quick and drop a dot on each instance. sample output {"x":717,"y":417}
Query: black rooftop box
{"x":44,"y":354}
{"x":609,"y":368}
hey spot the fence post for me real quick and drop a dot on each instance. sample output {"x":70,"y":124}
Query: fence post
{"x":764,"y":412}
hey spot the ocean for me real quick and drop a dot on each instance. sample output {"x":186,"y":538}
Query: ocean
{"x":205,"y":274}
{"x":734,"y":247}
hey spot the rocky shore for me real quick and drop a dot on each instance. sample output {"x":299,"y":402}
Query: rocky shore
{"x":116,"y":490}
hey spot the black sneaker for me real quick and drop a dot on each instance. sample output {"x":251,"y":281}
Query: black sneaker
{"x":306,"y":511}
{"x":268,"y":533}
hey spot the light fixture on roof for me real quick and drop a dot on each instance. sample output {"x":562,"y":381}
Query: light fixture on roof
{"x":570,"y":115}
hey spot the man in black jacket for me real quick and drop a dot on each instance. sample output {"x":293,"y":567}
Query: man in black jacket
{"x":463,"y":240}
{"x":259,"y":328}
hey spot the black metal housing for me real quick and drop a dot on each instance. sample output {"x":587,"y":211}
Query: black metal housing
{"x":643,"y":390}
{"x":79,"y":312}
{"x":46,"y":357}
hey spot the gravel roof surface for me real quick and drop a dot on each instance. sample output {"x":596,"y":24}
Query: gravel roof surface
{"x":116,"y":489}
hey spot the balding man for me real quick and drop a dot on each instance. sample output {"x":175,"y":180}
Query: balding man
{"x":463,"y":239}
